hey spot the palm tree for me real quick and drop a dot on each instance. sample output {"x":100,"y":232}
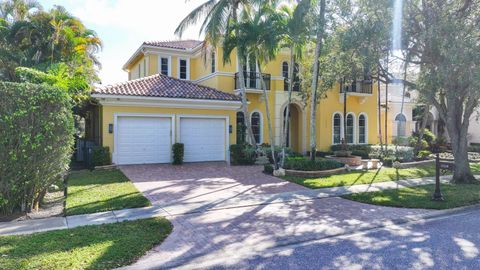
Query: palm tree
{"x":258,"y":37}
{"x":219,"y":16}
{"x":295,"y":38}
{"x":18,"y":10}
{"x":315,"y":75}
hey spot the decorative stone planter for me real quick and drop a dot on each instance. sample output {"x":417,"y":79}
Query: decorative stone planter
{"x":351,"y":161}
{"x":315,"y":173}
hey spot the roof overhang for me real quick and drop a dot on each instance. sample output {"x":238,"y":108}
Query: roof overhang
{"x":141,"y":101}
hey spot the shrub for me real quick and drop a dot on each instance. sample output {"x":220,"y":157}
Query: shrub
{"x":402,"y":141}
{"x":268,"y":168}
{"x":400,"y":153}
{"x":423,"y":154}
{"x":178,"y":152}
{"x":101,"y":156}
{"x":413,"y":140}
{"x":352,"y":147}
{"x":278,"y":152}
{"x":242,"y":154}
{"x":303,"y":164}
{"x":36,"y":139}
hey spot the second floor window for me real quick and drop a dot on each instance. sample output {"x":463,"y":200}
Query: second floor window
{"x":164,"y":66}
{"x":183,"y":69}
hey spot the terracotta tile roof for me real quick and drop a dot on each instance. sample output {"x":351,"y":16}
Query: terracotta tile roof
{"x":166,"y":87}
{"x":178,"y":44}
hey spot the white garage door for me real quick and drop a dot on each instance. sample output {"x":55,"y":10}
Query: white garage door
{"x":142,"y":140}
{"x":203,"y":139}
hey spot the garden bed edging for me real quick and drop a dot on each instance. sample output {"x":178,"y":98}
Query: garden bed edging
{"x":315,"y":173}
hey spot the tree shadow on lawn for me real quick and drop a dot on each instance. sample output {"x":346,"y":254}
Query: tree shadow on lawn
{"x":130,"y":200}
{"x":90,"y":247}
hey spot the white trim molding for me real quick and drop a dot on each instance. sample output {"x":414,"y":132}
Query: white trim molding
{"x":261,"y":124}
{"x":354,"y":127}
{"x":342,"y":132}
{"x":187,"y":60}
{"x":118,"y":100}
{"x":366,"y":128}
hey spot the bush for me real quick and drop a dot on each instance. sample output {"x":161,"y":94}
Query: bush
{"x":423,"y":154}
{"x":393,"y":152}
{"x":402,"y":141}
{"x":268,"y":169}
{"x":242,"y":154}
{"x":278,"y":152}
{"x":36,"y":139}
{"x":178,"y":152}
{"x":413,"y":143}
{"x":303,"y":164}
{"x":352,"y":147}
{"x":101,"y":156}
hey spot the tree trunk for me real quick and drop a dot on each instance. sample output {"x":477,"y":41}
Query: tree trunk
{"x":243,"y":91}
{"x":287,"y":113}
{"x":269,"y":121}
{"x":315,"y":75}
{"x":457,"y":130}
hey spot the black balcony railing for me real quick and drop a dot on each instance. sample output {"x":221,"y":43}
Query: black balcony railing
{"x":296,"y":85}
{"x":359,"y":86}
{"x":252,"y":80}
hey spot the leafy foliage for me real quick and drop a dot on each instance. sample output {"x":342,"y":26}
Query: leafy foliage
{"x":303,"y":164}
{"x":101,"y":156}
{"x":392,"y":152}
{"x":178,"y":152}
{"x":57,"y":46}
{"x":36,"y":138}
{"x":242,"y":154}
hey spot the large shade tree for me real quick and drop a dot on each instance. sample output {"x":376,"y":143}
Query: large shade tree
{"x":443,"y":40}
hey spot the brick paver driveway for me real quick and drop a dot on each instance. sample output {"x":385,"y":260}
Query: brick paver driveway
{"x":230,"y":237}
{"x":202,"y":182}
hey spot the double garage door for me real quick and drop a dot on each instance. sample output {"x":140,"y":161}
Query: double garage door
{"x":142,"y":140}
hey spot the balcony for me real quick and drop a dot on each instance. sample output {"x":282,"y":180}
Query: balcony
{"x":252,"y":81}
{"x":358,"y":88}
{"x":296,"y":85}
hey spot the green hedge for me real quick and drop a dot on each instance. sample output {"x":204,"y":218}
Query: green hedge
{"x":304,"y":164}
{"x":362,"y":150}
{"x":178,"y":153}
{"x":101,"y":156}
{"x":36,"y":139}
{"x":393,"y":152}
{"x":242,"y":154}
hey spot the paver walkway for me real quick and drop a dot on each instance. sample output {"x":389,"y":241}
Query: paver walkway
{"x":236,"y":201}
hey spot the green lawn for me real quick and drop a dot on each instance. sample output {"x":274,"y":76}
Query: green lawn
{"x":90,"y":247}
{"x":420,"y":197}
{"x":367,"y":177}
{"x":98,"y":191}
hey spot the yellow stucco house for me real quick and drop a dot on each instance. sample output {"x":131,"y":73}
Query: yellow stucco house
{"x":177,"y":92}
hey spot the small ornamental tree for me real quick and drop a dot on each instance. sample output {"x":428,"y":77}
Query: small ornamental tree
{"x":36,"y":139}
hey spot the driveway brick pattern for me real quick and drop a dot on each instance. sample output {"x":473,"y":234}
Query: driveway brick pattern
{"x":230,"y":237}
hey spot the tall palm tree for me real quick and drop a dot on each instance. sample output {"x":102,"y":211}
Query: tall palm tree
{"x":218,"y":18}
{"x":258,"y":37}
{"x":295,"y":37}
{"x":315,"y":75}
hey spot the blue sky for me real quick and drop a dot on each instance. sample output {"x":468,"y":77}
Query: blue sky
{"x":124,"y":24}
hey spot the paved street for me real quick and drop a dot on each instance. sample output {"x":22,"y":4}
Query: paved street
{"x":451,"y":242}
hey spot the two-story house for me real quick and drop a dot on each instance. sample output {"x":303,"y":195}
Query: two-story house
{"x":178,"y":91}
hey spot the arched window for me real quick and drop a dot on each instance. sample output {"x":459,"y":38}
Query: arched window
{"x":257,"y":127}
{"x":350,"y":129}
{"x":337,"y":128}
{"x":241,"y":128}
{"x":362,"y":129}
{"x":401,"y":121}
